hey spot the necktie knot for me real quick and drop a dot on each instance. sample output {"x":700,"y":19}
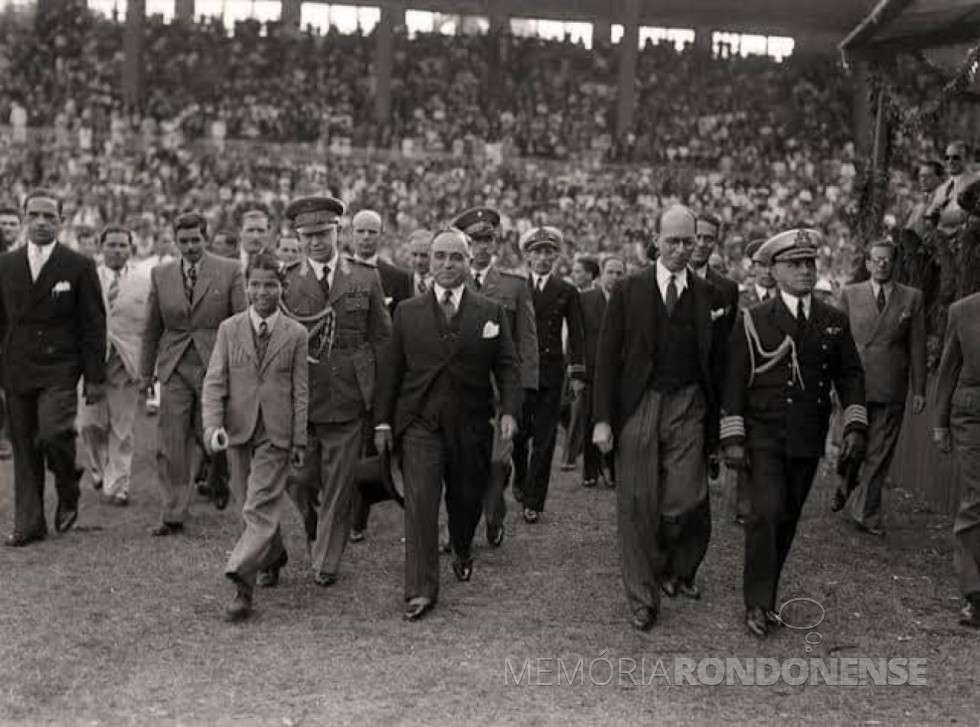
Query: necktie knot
{"x":263,"y":329}
{"x":880,"y":299}
{"x":476,"y":281}
{"x":800,"y":312}
{"x":447,"y":305}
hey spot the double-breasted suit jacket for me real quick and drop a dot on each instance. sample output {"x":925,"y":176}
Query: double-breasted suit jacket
{"x":558,"y":304}
{"x":173,"y":324}
{"x":593,"y":303}
{"x":892,"y":344}
{"x":783,"y":409}
{"x":53,"y":330}
{"x":342,"y":385}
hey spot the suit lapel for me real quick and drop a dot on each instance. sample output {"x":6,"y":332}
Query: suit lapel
{"x":203,"y":282}
{"x":248,"y":338}
{"x":177,"y":281}
{"x":887,"y":312}
{"x":782,"y":318}
{"x":276,"y":342}
{"x":491,"y":282}
{"x":341,"y":281}
{"x":48,"y":277}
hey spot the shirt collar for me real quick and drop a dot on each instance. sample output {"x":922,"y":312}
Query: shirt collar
{"x":663,"y":277}
{"x":701,"y":272}
{"x":440,"y":292}
{"x":318,"y":266}
{"x":539,"y":280}
{"x":42,"y":250}
{"x":760,"y":291}
{"x":257,"y":319}
{"x":887,"y":287}
{"x":791,"y":302}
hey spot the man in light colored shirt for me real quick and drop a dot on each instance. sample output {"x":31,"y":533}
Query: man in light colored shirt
{"x":945,"y":206}
{"x":254,"y":232}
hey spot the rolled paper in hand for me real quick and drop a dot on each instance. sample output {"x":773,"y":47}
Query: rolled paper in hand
{"x":219,"y":441}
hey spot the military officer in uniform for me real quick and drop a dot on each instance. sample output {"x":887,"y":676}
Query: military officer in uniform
{"x":341,"y":302}
{"x":482,"y":225}
{"x":556,"y":303}
{"x":785,"y":355}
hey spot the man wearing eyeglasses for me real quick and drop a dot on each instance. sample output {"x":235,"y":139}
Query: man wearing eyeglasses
{"x":944,"y":208}
{"x":889,"y":327}
{"x":658,"y":371}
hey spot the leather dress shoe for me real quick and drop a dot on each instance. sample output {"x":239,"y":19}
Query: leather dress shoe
{"x":688,"y":590}
{"x":269,"y":578}
{"x":463,"y":568}
{"x":756,"y":622}
{"x":589,"y":483}
{"x":19,"y":540}
{"x":241,"y":607}
{"x":530,"y":516}
{"x":495,"y":535}
{"x":868,"y":530}
{"x":644,"y":619}
{"x":970,"y":615}
{"x":417,"y":608}
{"x":669,"y":588}
{"x":356,"y":536}
{"x":120,"y":500}
{"x":325,"y":580}
{"x":65,"y":516}
{"x":164,"y":529}
{"x":220,"y":494}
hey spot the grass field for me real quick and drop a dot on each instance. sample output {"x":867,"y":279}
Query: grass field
{"x":106,"y":625}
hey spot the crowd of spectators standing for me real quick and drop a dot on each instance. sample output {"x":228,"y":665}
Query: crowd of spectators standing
{"x":523,"y":125}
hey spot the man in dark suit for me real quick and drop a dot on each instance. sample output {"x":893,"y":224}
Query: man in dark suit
{"x":658,"y":364}
{"x":9,"y":237}
{"x":52,"y":331}
{"x":340,"y":301}
{"x":556,"y":303}
{"x":482,"y":225}
{"x":784,"y":358}
{"x":366,"y":231}
{"x":436,"y":400}
{"x":708,"y":235}
{"x":189,"y":298}
{"x":957,"y":430}
{"x":594,"y":303}
{"x":888,"y":323}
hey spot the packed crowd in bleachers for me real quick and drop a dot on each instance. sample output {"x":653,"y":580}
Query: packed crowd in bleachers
{"x":761,"y":143}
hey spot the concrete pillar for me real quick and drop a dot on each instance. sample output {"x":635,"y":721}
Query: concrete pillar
{"x":383,"y":55}
{"x":628,"y":51}
{"x":602,"y":32}
{"x":702,"y":39}
{"x":132,"y":70}
{"x":499,"y":12}
{"x":184,"y":11}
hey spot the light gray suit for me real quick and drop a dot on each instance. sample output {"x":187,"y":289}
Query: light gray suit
{"x":261,"y":401}
{"x":180,"y":336}
{"x":892,"y":346}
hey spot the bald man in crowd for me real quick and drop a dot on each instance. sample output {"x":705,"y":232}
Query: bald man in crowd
{"x":367,"y":231}
{"x":658,"y":368}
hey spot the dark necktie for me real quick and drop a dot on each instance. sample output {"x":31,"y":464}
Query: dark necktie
{"x":477,"y":282}
{"x":766,"y":295}
{"x":540,"y":286}
{"x":671,"y":299}
{"x":880,"y":299}
{"x":190,"y":282}
{"x":448,"y":308}
{"x":325,"y":281}
{"x":262,"y":341}
{"x":800,"y":316}
{"x":114,"y":289}
{"x":422,"y":287}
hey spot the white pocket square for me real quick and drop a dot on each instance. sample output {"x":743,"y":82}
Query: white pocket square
{"x":716,"y":314}
{"x":388,"y":301}
{"x":62,"y":287}
{"x":491,"y":330}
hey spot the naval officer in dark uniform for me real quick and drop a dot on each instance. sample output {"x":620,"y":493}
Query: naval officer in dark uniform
{"x":785,"y":355}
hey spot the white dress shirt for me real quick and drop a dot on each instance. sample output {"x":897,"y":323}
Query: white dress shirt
{"x":539,"y":281}
{"x":318,"y":268}
{"x":701,"y":272}
{"x":761,"y":292}
{"x":792,"y":302}
{"x":417,"y":279}
{"x":38,"y":256}
{"x":663,"y":279}
{"x":887,"y":287}
{"x":270,"y":322}
{"x":457,"y":294}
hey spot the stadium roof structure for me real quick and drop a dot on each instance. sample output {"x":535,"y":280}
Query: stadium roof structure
{"x":910,"y":25}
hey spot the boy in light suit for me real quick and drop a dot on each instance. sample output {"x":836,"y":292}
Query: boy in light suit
{"x":254,"y":404}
